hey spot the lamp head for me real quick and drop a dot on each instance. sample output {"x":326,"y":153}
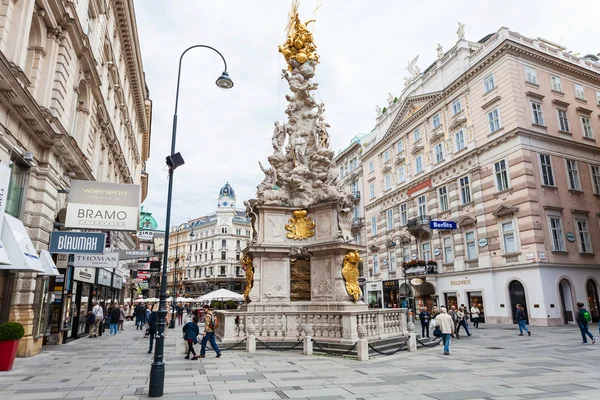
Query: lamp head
{"x":224,"y":81}
{"x":192,"y":234}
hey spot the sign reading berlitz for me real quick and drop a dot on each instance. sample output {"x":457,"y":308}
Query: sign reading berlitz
{"x":103,"y":205}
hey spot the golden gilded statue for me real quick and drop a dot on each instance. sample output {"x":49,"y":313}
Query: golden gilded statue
{"x":351,"y":273}
{"x":300,"y":226}
{"x":247,"y":265}
{"x":299,"y":44}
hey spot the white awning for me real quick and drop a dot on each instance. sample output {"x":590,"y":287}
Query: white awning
{"x":48,"y":264}
{"x":221,"y":294}
{"x":18,"y":246}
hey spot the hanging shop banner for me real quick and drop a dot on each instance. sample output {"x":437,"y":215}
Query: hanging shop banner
{"x":117,"y":281}
{"x":103,"y":205}
{"x":443,"y":225}
{"x":145,"y":236}
{"x":139,"y":266}
{"x":104,"y":277}
{"x":84,"y":275}
{"x":4,"y":181}
{"x":135,"y":254}
{"x":106,"y":260}
{"x":77,"y":242}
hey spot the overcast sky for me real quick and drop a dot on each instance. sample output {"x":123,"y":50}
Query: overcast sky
{"x":364,"y":46}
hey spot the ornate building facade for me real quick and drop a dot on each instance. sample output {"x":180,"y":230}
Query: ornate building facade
{"x":485,"y":185}
{"x":74,"y":105}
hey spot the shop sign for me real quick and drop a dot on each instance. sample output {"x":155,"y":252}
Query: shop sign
{"x":84,"y":274}
{"x":103,"y":205}
{"x":443,"y":225}
{"x":436,"y":252}
{"x":570,"y":237}
{"x":391,"y":285}
{"x":529,"y":256}
{"x":542,"y":255}
{"x":459,"y":283}
{"x":139,"y":266}
{"x":413,"y":257}
{"x":104,"y":277}
{"x":106,"y":260}
{"x":4,"y":181}
{"x":77,"y":242}
{"x":62,"y":260}
{"x":419,"y":186}
{"x":416,"y":281}
{"x":374,"y":286}
{"x":135,"y":254}
{"x":145,"y":235}
{"x":117,"y":281}
{"x":144,"y":275}
{"x":483,"y":242}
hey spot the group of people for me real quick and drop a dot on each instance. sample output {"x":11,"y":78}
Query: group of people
{"x":460,"y":318}
{"x":100,"y":315}
{"x":191,"y":331}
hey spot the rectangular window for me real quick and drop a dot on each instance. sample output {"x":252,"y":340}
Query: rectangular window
{"x":353,"y":164}
{"x":556,"y":84}
{"x":488,"y":83}
{"x":460,"y":140}
{"x":222,"y":270}
{"x":439,"y":153}
{"x":416,"y":135}
{"x":501,"y":173}
{"x":392,"y":260}
{"x":386,"y":156}
{"x":443,"y":198}
{"x":223,"y":255}
{"x":375,"y":264}
{"x":436,"y":121}
{"x":371,"y":166}
{"x":372,"y":191}
{"x":388,"y":182}
{"x":401,"y":174}
{"x":538,"y":116}
{"x":374,"y":226}
{"x":530,"y":75}
{"x":556,"y":233}
{"x":563,"y":121}
{"x":422,"y":203}
{"x":426,"y":251}
{"x":238,"y":243}
{"x":456,"y":106}
{"x":579,"y":93}
{"x":418,"y":164}
{"x":16,"y":188}
{"x":598,"y":98}
{"x":406,"y":254}
{"x":493,"y":120}
{"x":587,"y":127}
{"x":448,"y":250}
{"x":471,"y":245}
{"x":237,"y":256}
{"x":508,"y":238}
{"x":403,"y":214}
{"x":573,"y":175}
{"x":547,"y":173}
{"x":390,"y":219}
{"x":583,"y":235}
{"x":465,"y":190}
{"x":400,"y":147}
{"x":596,"y":178}
{"x":224,"y":243}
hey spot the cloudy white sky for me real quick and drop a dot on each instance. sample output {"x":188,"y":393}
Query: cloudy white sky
{"x":364,"y":47}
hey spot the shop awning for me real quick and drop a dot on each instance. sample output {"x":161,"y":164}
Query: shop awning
{"x":48,"y":264}
{"x":18,"y":246}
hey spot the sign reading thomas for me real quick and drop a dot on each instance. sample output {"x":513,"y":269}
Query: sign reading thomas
{"x":103,"y":206}
{"x":443,"y":225}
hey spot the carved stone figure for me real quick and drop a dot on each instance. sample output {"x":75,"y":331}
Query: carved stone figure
{"x":253,"y":215}
{"x":378,"y":110}
{"x":270,"y":178}
{"x":460,"y":32}
{"x":440,"y":52}
{"x":299,"y":252}
{"x":278,"y":139}
{"x":300,"y":143}
{"x":390,"y":99}
{"x":351,"y":274}
{"x":412,"y":67}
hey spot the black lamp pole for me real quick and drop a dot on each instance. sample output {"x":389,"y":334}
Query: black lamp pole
{"x":174,"y":160}
{"x":177,"y":230}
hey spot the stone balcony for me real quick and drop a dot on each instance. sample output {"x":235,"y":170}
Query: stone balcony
{"x":418,"y":224}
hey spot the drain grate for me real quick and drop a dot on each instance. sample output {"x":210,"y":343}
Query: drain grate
{"x":495,"y":348}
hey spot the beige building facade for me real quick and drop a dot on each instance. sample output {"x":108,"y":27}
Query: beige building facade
{"x":74,"y":105}
{"x":485,"y":186}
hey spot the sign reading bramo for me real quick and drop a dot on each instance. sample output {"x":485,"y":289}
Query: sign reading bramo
{"x":102,"y":205}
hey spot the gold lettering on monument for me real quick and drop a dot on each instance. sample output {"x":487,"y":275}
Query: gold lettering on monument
{"x":300,"y":226}
{"x":300,"y":287}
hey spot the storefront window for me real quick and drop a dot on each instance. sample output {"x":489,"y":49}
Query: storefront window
{"x":40,"y":306}
{"x":390,"y":293}
{"x":451,"y":299}
{"x":476,"y":299}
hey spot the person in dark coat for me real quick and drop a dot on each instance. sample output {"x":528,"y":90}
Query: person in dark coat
{"x":140,"y":316}
{"x":190,"y":334}
{"x":152,"y":325}
{"x":115,"y":314}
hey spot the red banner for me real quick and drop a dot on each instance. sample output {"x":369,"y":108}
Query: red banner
{"x":416,"y":188}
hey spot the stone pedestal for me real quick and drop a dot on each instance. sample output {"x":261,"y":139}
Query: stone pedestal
{"x":362,"y":349}
{"x":307,"y":346}
{"x":251,"y":344}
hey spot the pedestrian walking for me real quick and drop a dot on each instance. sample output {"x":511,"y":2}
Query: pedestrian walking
{"x":179,"y":311}
{"x":98,"y":313}
{"x":121,"y":318}
{"x":462,"y":321}
{"x":103,"y":322}
{"x":424,"y":317}
{"x":148,"y":313}
{"x":210,"y":324}
{"x":454,"y":315}
{"x":521,"y":317}
{"x":140,"y":316}
{"x":152,"y":322}
{"x":190,"y":334}
{"x":475,"y":316}
{"x":583,"y":318}
{"x":446,"y":325}
{"x":115,"y":314}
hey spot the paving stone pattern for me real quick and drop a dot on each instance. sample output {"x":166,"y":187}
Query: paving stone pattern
{"x":494,"y":363}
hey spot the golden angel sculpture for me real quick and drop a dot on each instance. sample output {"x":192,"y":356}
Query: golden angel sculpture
{"x":351,"y":273}
{"x":247,"y":265}
{"x":299,"y":44}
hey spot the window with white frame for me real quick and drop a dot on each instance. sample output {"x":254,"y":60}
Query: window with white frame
{"x":465,"y":190}
{"x":583,"y":235}
{"x":471,"y":245}
{"x":374,"y":226}
{"x":418,"y":164}
{"x":390,"y":219}
{"x":401,"y":174}
{"x":354,"y":187}
{"x":595,"y":178}
{"x":435,"y":121}
{"x":493,"y":120}
{"x":579,"y":92}
{"x":547,"y":172}
{"x":563,"y":121}
{"x":489,"y":83}
{"x":375,"y":264}
{"x":387,"y":182}
{"x":439,"y":153}
{"x":372,"y":190}
{"x":538,"y":115}
{"x":530,"y":75}
{"x":556,"y":83}
{"x":443,"y":198}
{"x":556,"y":232}
{"x":456,"y":106}
{"x":448,"y":250}
{"x":392,"y":260}
{"x":353,"y":164}
{"x":422,"y":205}
{"x":426,"y":251}
{"x":508,"y":237}
{"x":573,"y":175}
{"x":400,"y":146}
{"x":459,"y":138}
{"x":386,"y":156}
{"x":403,"y":214}
{"x":501,"y":173}
{"x":341,"y":172}
{"x":371,"y":166}
{"x":598,"y":98}
{"x":406,"y":254}
{"x":586,"y":125}
{"x":416,"y":135}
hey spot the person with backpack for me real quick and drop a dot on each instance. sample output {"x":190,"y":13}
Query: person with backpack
{"x":210,"y":324}
{"x":152,"y":321}
{"x":521,"y":318}
{"x":190,"y":335}
{"x":583,"y":318}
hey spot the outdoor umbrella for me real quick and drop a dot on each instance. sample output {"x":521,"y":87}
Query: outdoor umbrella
{"x":221,"y":294}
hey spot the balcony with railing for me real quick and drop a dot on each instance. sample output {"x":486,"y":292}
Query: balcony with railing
{"x":418,"y":224}
{"x":356,"y":197}
{"x":358,"y":223}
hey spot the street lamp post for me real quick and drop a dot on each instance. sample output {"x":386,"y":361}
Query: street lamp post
{"x":177,"y":230}
{"x":174,"y":160}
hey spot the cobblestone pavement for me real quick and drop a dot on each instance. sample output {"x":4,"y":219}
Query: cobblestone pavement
{"x":494,"y":363}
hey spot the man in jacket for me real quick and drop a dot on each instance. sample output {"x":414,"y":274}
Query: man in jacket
{"x":152,"y":324}
{"x":583,"y":323}
{"x":98,"y":313}
{"x":521,"y":318}
{"x":140,"y":316}
{"x":209,"y":333}
{"x":446,"y":325}
{"x":115,"y":314}
{"x":462,"y":321}
{"x":424,"y":317}
{"x":454,"y":316}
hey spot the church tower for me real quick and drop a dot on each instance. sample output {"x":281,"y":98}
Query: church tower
{"x":225,"y":209}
